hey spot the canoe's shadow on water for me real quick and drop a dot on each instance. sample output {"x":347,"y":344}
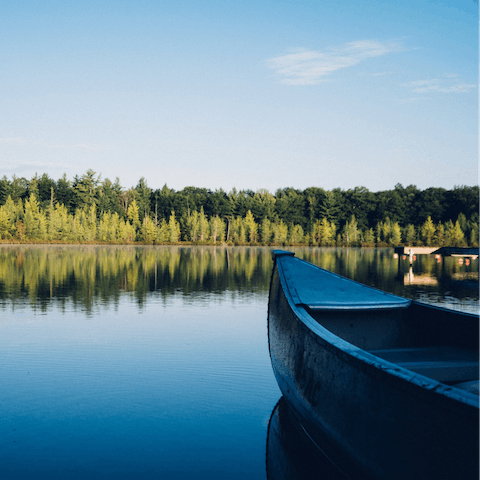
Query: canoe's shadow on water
{"x":291,"y":454}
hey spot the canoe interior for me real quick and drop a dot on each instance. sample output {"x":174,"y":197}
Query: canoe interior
{"x":434,"y":342}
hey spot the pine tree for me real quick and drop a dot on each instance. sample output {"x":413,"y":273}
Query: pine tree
{"x":133,"y":215}
{"x":327,"y":233}
{"x":163,"y":232}
{"x":5,"y":223}
{"x":439,"y":237}
{"x":149,"y":232}
{"x":251,"y":227}
{"x":473,"y":234}
{"x":217,"y":229}
{"x":34,"y":220}
{"x":428,"y":231}
{"x":369,"y":238}
{"x":350,"y":232}
{"x":203,"y":228}
{"x":410,"y":235}
{"x":396,"y":237}
{"x":280,"y":233}
{"x":296,"y":234}
{"x":266,"y":231}
{"x":173,"y":229}
{"x":455,"y":235}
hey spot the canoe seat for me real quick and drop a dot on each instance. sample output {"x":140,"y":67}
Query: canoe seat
{"x":472,"y":387}
{"x":444,"y":364}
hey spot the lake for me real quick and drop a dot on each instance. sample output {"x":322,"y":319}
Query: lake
{"x":152,"y":362}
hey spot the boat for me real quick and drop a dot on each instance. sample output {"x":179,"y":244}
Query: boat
{"x":290,"y":454}
{"x":385,"y":386}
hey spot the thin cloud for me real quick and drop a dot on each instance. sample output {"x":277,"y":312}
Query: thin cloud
{"x":75,"y":146}
{"x":79,"y":146}
{"x":446,"y":84}
{"x":310,"y":67}
{"x":16,"y":167}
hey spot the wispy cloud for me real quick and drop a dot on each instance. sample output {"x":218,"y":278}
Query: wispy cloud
{"x":79,"y":146}
{"x":310,"y":67}
{"x":75,"y":146}
{"x":19,"y":167}
{"x":448,"y":83}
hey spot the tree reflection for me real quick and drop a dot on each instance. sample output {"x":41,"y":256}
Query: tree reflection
{"x":100,"y":275}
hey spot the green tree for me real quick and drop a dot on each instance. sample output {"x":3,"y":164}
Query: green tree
{"x":193,"y":227}
{"x":439,"y":237}
{"x":20,"y":230}
{"x":369,"y":238}
{"x":296,"y":234}
{"x":6,"y":224}
{"x":217,"y":229}
{"x":14,"y":209}
{"x":34,"y":220}
{"x":455,"y":235}
{"x":251,"y":227}
{"x":351,"y":234}
{"x":238,"y":230}
{"x":280,"y":232}
{"x":142,"y":193}
{"x":329,"y":208}
{"x":203,"y":227}
{"x":396,"y":237}
{"x":428,"y":231}
{"x":18,"y":188}
{"x":323,"y":233}
{"x":5,"y":189}
{"x":85,"y":189}
{"x":173,"y":229}
{"x":64,"y":193}
{"x":263,"y":204}
{"x":410,"y":235}
{"x":474,"y":234}
{"x":462,"y":220}
{"x":266,"y":231}
{"x":108,"y":196}
{"x":133,"y":215}
{"x":149,"y":231}
{"x":46,"y":187}
{"x":60,"y":223}
{"x":290,"y":205}
{"x":163,"y":232}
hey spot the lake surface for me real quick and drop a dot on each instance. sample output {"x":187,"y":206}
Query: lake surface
{"x":152,"y":362}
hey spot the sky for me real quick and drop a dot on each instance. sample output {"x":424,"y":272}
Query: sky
{"x":241,"y":94}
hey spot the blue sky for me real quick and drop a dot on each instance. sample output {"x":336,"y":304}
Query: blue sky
{"x":244,"y":94}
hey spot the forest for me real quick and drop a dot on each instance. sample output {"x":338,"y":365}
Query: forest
{"x":89,"y":209}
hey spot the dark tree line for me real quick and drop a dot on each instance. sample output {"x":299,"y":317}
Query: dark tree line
{"x":405,"y":206}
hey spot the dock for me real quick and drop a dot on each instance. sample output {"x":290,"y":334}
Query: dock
{"x":443,"y":251}
{"x":457,"y":252}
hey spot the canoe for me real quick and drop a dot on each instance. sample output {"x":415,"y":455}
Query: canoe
{"x":386,"y":387}
{"x":290,"y":454}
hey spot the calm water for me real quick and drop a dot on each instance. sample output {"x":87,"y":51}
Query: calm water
{"x":152,"y":362}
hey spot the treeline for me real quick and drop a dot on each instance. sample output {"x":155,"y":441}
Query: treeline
{"x":89,"y":209}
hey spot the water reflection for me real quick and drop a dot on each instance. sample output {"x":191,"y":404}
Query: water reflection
{"x":291,"y":454}
{"x":88,"y":276}
{"x":92,"y":275}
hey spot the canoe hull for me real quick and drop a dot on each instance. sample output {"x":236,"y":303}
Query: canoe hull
{"x":369,"y":421}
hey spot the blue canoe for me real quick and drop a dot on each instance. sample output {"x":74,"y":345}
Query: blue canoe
{"x":385,"y":386}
